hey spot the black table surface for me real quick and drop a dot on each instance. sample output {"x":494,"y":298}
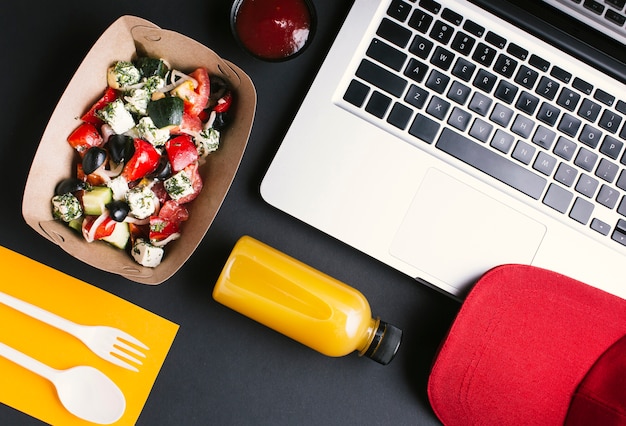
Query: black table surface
{"x":223,"y":368}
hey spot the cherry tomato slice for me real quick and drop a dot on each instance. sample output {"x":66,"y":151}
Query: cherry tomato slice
{"x":181,"y":152}
{"x":144,"y":161}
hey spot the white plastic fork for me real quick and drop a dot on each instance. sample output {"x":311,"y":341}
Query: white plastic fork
{"x":104,"y":341}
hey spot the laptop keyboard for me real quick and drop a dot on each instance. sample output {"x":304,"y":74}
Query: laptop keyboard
{"x":453,"y":86}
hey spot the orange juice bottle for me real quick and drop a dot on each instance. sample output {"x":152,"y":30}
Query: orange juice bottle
{"x":302,"y":303}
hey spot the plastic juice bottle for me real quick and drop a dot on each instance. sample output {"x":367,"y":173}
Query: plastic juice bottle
{"x":302,"y":303}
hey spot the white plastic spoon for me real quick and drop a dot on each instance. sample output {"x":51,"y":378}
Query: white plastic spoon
{"x":84,"y":391}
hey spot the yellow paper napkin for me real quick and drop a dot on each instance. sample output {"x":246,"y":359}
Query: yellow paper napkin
{"x":83,"y":303}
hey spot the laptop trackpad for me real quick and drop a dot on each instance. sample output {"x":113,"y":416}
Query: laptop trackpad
{"x":455,"y":233}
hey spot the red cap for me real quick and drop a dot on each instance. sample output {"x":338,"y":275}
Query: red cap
{"x":527,"y":347}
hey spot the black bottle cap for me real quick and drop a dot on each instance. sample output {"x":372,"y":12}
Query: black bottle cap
{"x":385,"y":343}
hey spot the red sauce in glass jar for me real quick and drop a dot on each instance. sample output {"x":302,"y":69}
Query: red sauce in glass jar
{"x":273,"y":29}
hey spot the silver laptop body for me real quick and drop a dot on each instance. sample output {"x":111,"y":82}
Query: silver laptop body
{"x":420,"y":203}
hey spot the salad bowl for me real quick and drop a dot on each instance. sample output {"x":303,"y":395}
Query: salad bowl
{"x":55,"y":160}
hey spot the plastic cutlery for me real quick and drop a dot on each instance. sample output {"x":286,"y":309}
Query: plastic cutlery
{"x":107,"y":342}
{"x":84,"y":391}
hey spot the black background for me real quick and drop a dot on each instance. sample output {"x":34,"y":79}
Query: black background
{"x":223,"y":368}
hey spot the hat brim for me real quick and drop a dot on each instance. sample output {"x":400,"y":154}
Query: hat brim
{"x":522,"y":342}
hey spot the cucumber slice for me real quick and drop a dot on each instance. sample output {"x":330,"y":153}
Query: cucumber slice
{"x":166,"y":111}
{"x":76,"y":224}
{"x":95,"y":200}
{"x":120,"y":236}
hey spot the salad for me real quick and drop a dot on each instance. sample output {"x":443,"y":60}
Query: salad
{"x":139,"y":150}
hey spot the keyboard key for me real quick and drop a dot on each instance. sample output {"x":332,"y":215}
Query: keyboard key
{"x":565,"y":174}
{"x":394,"y":32}
{"x":442,"y":58}
{"x":544,"y":137}
{"x":523,"y":152}
{"x":517,"y":51}
{"x":506,"y":91}
{"x":480,"y":130}
{"x":582,"y":85}
{"x":589,"y":110}
{"x":618,"y":4}
{"x":621,"y":209}
{"x":381,"y":78}
{"x":526,"y":77}
{"x":416,"y":96}
{"x":581,"y":211}
{"x":561,"y":74}
{"x":594,"y":6}
{"x":607,"y":170}
{"x":386,"y":54}
{"x":601,"y":227}
{"x":586,"y":185}
{"x":452,"y":17}
{"x":463,"y":69}
{"x":548,"y":114}
{"x":590,"y":136}
{"x":495,"y":39}
{"x":527,"y":103}
{"x":547,"y":88}
{"x":620,"y":106}
{"x":459,"y":119}
{"x":473,"y":28}
{"x":399,"y":116}
{"x":416,"y":70}
{"x":484,"y":80}
{"x":523,"y":126}
{"x":459,"y":93}
{"x":441,"y":32}
{"x":621,"y":181}
{"x":502,"y":141}
{"x":565,"y":148}
{"x":430,"y":5}
{"x":610,"y":121}
{"x":619,"y":233}
{"x":356,"y":93}
{"x":463,"y":43}
{"x":378,"y":104}
{"x":421,"y":47}
{"x":420,"y":21}
{"x":424,"y":129}
{"x":484,"y":54}
{"x":505,"y":66}
{"x":480,"y":103}
{"x":568,"y":99}
{"x":399,"y":10}
{"x":607,"y":196}
{"x":586,"y":159}
{"x":544,"y":163}
{"x":437,"y":81}
{"x":569,"y":125}
{"x":491,"y":163}
{"x":616,"y":18}
{"x":539,"y":63}
{"x":558,"y":198}
{"x":438,"y":108}
{"x":611,"y":147}
{"x":604,"y":97}
{"x":501,"y":115}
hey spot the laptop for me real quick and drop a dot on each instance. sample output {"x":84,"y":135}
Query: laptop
{"x":443,"y":140}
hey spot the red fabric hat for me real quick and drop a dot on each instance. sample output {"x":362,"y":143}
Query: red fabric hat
{"x":528,"y":347}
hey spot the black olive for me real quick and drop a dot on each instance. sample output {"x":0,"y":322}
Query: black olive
{"x":69,"y":185}
{"x":221,"y":120}
{"x":118,"y":210}
{"x":218,"y":88}
{"x":120,"y":147}
{"x":163,"y":170}
{"x":93,"y":159}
